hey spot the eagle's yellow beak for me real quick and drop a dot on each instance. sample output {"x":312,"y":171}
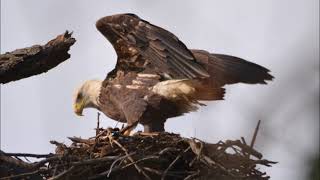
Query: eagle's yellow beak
{"x":78,"y":108}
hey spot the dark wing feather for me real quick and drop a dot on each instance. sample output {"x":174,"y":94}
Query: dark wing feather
{"x":161,"y":51}
{"x":225,"y":69}
{"x":133,"y":107}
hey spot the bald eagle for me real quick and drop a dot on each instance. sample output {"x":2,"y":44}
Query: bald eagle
{"x":157,"y":77}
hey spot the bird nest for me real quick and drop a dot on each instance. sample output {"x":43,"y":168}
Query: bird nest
{"x":111,"y":155}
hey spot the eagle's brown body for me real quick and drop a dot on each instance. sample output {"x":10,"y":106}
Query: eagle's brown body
{"x":121,"y":100}
{"x":157,"y":77}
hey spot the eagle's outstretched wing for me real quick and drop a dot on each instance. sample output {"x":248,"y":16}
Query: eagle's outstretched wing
{"x":141,"y":46}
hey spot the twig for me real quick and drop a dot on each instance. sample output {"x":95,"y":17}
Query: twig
{"x":194,"y":146}
{"x":254,"y":136}
{"x":80,"y":140}
{"x":166,"y":150}
{"x":49,"y":159}
{"x":63,"y":174}
{"x":101,"y":133}
{"x":173,"y":162}
{"x":98,"y":124}
{"x":88,"y":162}
{"x":191,"y":176}
{"x":108,"y":172}
{"x":244,"y":148}
{"x":14,"y":162}
{"x":20,"y":176}
{"x":143,"y":159}
{"x":243,"y":141}
{"x":158,"y":172}
{"x":114,"y":162}
{"x":212,"y":162}
{"x":29,"y":155}
{"x":153,"y":170}
{"x":130,"y":158}
{"x":94,"y":161}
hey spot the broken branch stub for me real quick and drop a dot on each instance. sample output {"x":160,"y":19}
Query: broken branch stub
{"x":26,"y":62}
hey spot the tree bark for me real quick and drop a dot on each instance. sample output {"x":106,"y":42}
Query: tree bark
{"x":26,"y":62}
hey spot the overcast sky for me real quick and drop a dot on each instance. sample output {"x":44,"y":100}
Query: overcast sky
{"x":280,"y":35}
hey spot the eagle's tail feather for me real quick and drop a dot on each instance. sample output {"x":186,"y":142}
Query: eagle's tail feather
{"x":225,"y":69}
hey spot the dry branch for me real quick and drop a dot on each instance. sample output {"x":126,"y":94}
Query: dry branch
{"x":111,"y":155}
{"x":26,"y":62}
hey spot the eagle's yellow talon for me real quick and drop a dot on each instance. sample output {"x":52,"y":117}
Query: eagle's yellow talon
{"x":127,"y":132}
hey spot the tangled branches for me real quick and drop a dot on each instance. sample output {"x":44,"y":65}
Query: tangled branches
{"x":154,"y":156}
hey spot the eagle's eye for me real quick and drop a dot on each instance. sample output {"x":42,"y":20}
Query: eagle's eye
{"x":79,"y":97}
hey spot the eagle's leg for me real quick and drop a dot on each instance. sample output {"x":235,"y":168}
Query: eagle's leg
{"x":128,"y":128}
{"x":154,"y":126}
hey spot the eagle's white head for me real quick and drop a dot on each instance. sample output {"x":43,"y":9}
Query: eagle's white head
{"x":86,"y":96}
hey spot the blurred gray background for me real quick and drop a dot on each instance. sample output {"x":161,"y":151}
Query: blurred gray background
{"x":280,"y":35}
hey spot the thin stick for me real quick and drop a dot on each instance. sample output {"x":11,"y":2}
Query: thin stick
{"x":63,"y":174}
{"x":111,"y":169}
{"x":94,"y":161}
{"x":245,"y":143}
{"x":117,"y":160}
{"x":80,"y":140}
{"x":254,"y":136}
{"x":211,"y":162}
{"x":29,"y":155}
{"x":152,"y":170}
{"x":191,"y":176}
{"x":143,"y":159}
{"x":20,"y":176}
{"x":49,"y":159}
{"x":173,"y":162}
{"x":98,"y":124}
{"x":131,"y":159}
{"x":89,"y":162}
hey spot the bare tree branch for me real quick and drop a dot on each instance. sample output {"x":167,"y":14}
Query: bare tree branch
{"x":26,"y":62}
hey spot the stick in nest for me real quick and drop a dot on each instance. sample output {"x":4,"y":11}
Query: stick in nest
{"x":173,"y":162}
{"x":131,"y":159}
{"x":98,"y":124}
{"x":254,"y":136}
